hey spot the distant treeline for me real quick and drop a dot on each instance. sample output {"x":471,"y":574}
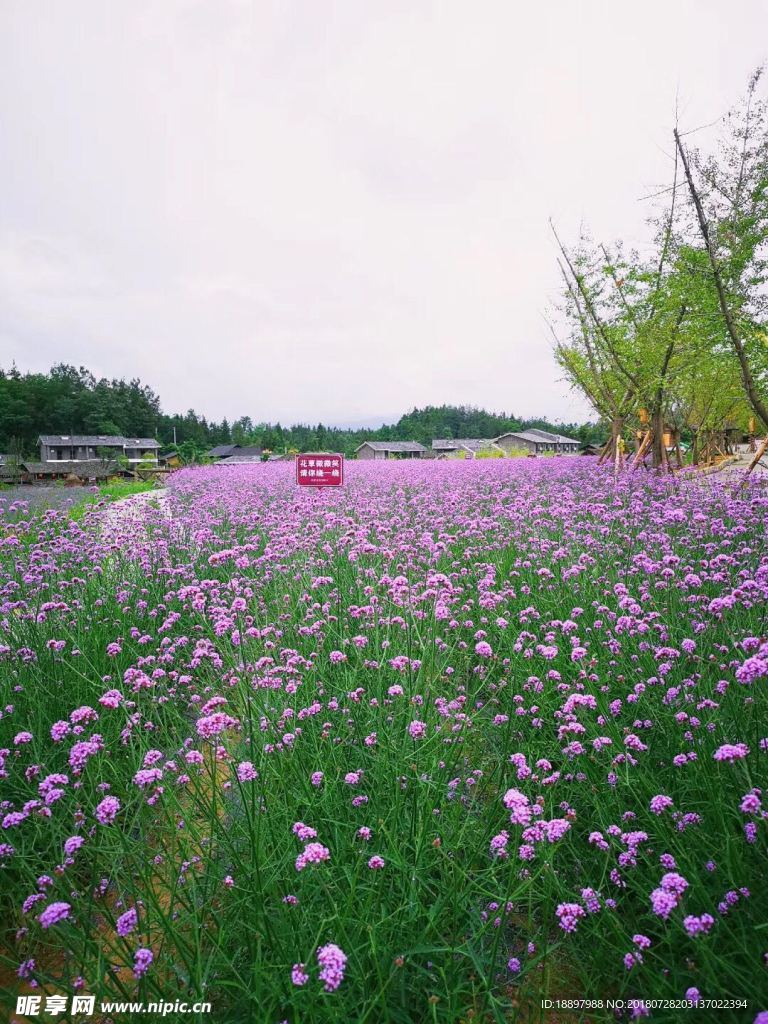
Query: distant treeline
{"x":68,"y":400}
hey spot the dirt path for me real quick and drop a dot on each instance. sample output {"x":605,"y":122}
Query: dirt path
{"x":124,"y":521}
{"x":741,"y":464}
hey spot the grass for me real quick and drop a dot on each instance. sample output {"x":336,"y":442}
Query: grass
{"x":116,"y":490}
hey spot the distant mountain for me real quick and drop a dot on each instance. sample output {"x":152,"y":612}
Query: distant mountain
{"x":70,"y":400}
{"x":447,"y":421}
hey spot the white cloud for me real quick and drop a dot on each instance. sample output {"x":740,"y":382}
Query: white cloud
{"x":323,"y":211}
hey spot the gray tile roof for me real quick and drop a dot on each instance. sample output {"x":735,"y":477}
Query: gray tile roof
{"x":543,"y":434}
{"x":98,"y":440}
{"x":222,"y":450}
{"x":111,"y":440}
{"x":91,"y":468}
{"x":393,"y":446}
{"x":524,"y":435}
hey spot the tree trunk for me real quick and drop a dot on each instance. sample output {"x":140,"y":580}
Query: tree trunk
{"x":617,"y":429}
{"x":642,"y":450}
{"x":758,"y":405}
{"x":657,"y":426}
{"x":758,"y":455}
{"x":612,"y":446}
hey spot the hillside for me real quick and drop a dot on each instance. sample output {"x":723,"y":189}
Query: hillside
{"x":69,"y":400}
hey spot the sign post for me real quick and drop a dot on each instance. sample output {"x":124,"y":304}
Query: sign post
{"x":320,"y":470}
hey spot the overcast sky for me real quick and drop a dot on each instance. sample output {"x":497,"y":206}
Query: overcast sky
{"x":332,"y":211}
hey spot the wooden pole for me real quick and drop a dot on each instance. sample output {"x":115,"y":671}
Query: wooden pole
{"x":641,"y":451}
{"x":604,"y":453}
{"x":758,"y":455}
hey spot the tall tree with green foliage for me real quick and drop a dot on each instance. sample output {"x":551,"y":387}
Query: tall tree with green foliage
{"x":729,"y":193}
{"x":679,"y":336}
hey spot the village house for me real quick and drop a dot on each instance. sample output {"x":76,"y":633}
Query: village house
{"x":235,"y":454}
{"x":469,"y":447}
{"x":222,"y":451}
{"x":96,"y":447}
{"x":391,"y":450}
{"x":538,"y":442}
{"x":9,"y":468}
{"x":170,"y":459}
{"x":242,"y":455}
{"x":564,"y":445}
{"x":82,"y":470}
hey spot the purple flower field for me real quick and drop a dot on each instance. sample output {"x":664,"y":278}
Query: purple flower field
{"x":458,"y":738}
